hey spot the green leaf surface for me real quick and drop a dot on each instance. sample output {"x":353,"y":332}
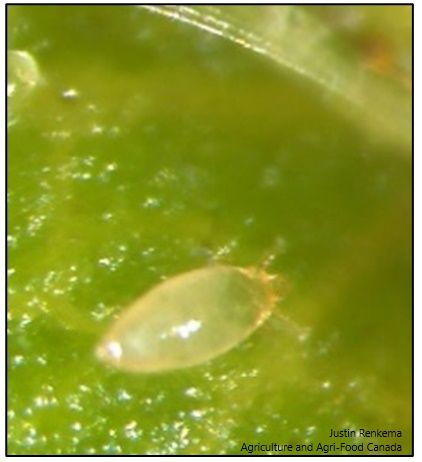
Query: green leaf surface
{"x":143,"y":144}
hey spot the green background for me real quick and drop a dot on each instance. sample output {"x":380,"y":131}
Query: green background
{"x":180,"y":148}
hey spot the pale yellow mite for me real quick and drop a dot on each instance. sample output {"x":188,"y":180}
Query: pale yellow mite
{"x":189,"y":319}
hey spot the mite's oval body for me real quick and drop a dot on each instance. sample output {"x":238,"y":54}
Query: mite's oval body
{"x":189,"y":319}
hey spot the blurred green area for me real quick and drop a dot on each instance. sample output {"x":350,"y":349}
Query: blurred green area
{"x":147,"y":147}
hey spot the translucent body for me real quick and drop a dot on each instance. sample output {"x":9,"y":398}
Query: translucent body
{"x":189,"y":319}
{"x":22,"y":73}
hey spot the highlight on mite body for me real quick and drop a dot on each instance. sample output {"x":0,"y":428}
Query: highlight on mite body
{"x":189,"y":319}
